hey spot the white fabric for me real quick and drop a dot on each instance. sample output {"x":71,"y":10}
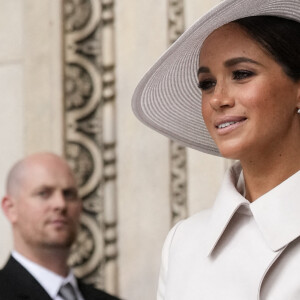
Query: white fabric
{"x":237,"y":250}
{"x":49,"y":280}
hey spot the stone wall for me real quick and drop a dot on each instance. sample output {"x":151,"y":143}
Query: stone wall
{"x":68,"y":70}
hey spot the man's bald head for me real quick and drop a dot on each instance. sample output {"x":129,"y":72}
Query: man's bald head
{"x":21,"y":170}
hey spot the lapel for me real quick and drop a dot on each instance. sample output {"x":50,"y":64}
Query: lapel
{"x":20,"y":284}
{"x":91,"y":293}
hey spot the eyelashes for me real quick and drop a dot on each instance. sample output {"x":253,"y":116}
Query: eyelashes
{"x":238,"y":75}
{"x":242,"y":74}
{"x":206,"y":84}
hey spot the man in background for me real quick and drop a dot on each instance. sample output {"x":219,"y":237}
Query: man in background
{"x":43,"y":207}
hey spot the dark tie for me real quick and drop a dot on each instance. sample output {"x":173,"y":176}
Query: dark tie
{"x":67,"y":292}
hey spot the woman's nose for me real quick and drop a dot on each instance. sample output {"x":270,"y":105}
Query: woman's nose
{"x":221,"y":98}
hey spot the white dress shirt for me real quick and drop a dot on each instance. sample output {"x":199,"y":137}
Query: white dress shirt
{"x":237,"y":250}
{"x":49,"y":280}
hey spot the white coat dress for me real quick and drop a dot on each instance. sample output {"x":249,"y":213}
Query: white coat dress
{"x":237,"y":250}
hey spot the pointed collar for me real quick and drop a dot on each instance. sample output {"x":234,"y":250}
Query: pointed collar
{"x":228,"y":201}
{"x":49,"y":280}
{"x":277,"y":213}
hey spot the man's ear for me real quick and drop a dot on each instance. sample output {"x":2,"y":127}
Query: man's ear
{"x":9,"y":208}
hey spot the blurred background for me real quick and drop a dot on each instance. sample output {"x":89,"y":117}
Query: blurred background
{"x":68,"y":69}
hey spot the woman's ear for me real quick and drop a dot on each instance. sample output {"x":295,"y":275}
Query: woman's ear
{"x":9,"y":208}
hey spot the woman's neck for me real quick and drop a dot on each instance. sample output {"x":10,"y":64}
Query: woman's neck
{"x":263,"y":174}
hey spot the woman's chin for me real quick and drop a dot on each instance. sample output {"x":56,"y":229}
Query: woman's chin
{"x":231,"y":152}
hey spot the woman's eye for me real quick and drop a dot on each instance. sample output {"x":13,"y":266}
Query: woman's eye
{"x":242,"y":74}
{"x":205,"y":85}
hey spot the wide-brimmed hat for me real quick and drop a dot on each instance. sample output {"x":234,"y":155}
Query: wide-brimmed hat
{"x":167,"y":98}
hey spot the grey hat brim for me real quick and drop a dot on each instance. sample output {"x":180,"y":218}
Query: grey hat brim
{"x":168,"y":100}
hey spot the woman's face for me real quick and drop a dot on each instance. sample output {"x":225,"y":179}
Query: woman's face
{"x":249,"y":104}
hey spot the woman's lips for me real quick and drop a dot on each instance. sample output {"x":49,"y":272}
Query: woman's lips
{"x":227,"y":124}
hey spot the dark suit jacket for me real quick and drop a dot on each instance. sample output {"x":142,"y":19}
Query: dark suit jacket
{"x":17,"y":283}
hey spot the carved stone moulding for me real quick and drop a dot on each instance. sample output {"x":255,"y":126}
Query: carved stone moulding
{"x":89,"y":84}
{"x":178,"y":155}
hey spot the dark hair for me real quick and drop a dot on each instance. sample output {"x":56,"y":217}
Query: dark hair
{"x":280,"y":37}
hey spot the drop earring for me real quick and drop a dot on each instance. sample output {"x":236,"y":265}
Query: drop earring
{"x":298,"y":111}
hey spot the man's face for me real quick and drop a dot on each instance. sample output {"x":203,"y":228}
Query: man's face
{"x":47,"y":207}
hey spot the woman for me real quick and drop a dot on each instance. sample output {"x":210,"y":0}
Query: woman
{"x":245,"y":56}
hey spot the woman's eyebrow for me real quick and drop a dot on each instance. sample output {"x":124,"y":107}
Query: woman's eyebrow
{"x":229,"y":63}
{"x":203,"y":70}
{"x":234,"y":61}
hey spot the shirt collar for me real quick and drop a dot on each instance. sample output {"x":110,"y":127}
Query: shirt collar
{"x":49,"y":280}
{"x":277,"y":213}
{"x":228,"y":201}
